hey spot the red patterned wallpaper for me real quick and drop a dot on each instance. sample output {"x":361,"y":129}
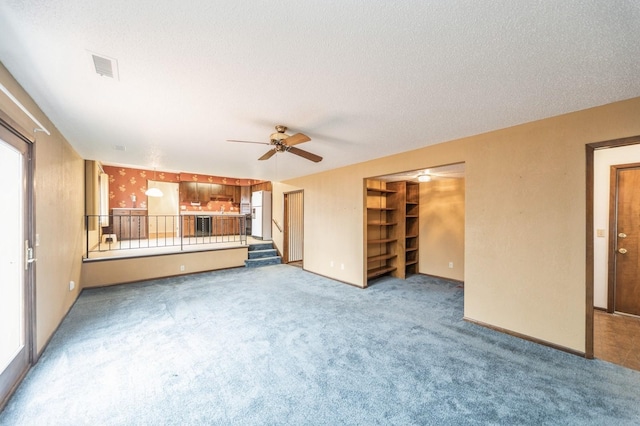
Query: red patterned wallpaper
{"x":127,"y":184}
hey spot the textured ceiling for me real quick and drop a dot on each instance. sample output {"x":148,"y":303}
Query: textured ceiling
{"x":362,"y":79}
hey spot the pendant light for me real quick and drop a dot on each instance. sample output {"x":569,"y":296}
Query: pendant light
{"x":155,"y":191}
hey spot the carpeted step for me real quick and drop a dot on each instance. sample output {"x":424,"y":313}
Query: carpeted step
{"x":263,"y":261}
{"x":259,"y":254}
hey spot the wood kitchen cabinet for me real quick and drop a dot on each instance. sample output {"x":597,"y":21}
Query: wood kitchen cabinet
{"x":188,"y":226}
{"x":245,"y":194}
{"x":202,"y":225}
{"x":229,"y":191}
{"x":216,"y":190}
{"x":130,"y":224}
{"x":188,"y":192}
{"x":204,"y":192}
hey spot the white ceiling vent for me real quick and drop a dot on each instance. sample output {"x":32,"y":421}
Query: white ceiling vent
{"x":104,"y":66}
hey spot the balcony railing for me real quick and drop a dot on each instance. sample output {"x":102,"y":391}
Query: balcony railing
{"x":114,"y":234}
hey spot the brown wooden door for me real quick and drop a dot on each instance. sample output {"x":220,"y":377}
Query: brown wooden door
{"x":626,"y":239}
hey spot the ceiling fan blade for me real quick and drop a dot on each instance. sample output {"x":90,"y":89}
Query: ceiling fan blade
{"x":305,"y":154}
{"x":296,"y":139}
{"x":268,"y":154}
{"x":261,"y":143}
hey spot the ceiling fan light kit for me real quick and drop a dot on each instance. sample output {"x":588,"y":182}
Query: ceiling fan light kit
{"x":283,"y":142}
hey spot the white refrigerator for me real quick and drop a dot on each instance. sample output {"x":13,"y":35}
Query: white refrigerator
{"x":261,"y":215}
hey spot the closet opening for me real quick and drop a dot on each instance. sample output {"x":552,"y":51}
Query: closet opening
{"x":414,"y":223}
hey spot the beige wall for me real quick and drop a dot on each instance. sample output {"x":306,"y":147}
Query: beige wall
{"x":442,"y":228}
{"x":59,"y":209}
{"x":524,"y":220}
{"x":109,"y":272}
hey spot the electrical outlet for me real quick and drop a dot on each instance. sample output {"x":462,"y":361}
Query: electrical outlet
{"x":331,"y":263}
{"x":451,"y":265}
{"x":342,"y":266}
{"x":600,"y":233}
{"x":181,"y":268}
{"x":72,"y":285}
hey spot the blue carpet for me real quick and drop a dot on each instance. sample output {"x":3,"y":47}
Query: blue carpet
{"x":277,"y":345}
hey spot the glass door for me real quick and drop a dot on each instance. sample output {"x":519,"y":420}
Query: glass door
{"x":15,"y":260}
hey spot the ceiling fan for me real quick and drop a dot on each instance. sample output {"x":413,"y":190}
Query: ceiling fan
{"x":283,"y":142}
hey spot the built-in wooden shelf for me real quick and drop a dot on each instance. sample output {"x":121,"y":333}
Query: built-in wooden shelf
{"x":392,"y":216}
{"x":380,"y":190}
{"x":382,"y":217}
{"x":407,"y":201}
{"x":381,"y":257}
{"x":382,"y":241}
{"x":380,"y":271}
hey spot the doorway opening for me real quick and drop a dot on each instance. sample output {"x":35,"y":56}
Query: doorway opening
{"x":17,"y":348}
{"x":293,"y":228}
{"x":414,"y":223}
{"x":164,"y":210}
{"x":608,"y":331}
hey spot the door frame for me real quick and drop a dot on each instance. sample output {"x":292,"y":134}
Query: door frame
{"x":12,"y":135}
{"x":589,"y":246}
{"x":613,"y":225}
{"x":285,"y":235}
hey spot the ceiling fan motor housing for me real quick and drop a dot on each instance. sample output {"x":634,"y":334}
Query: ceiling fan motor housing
{"x":279,"y":136}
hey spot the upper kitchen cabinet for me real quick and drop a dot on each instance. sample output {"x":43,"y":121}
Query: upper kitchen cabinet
{"x":188,"y":192}
{"x":245,"y":194}
{"x":216,"y":190}
{"x":203,"y":192}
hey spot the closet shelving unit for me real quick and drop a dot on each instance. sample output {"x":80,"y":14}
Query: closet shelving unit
{"x":381,"y":229}
{"x":392,"y":215}
{"x":412,"y":229}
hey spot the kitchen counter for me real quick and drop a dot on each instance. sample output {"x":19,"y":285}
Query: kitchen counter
{"x":210,"y":213}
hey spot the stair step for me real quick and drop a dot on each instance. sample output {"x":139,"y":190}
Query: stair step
{"x":258,"y":254}
{"x":260,"y":246}
{"x":264,"y":261}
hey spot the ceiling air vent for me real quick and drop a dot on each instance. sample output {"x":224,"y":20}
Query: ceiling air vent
{"x":105,"y":66}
